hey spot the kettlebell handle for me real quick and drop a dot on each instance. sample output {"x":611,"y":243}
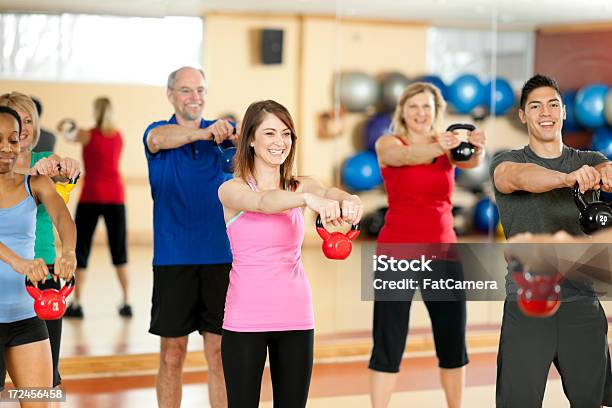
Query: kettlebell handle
{"x":580,"y":200}
{"x":457,"y":126}
{"x":65,"y":291}
{"x":221,"y":148}
{"x":516,"y":268}
{"x":70,"y":180}
{"x":319,"y":224}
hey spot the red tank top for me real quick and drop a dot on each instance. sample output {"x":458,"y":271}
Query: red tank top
{"x":420,"y":208}
{"x":102,"y":184}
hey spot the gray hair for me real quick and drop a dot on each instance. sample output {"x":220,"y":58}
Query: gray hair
{"x":173,"y":74}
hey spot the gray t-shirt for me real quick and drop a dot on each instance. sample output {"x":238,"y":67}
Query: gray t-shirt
{"x":46,"y":143}
{"x":547,"y":212}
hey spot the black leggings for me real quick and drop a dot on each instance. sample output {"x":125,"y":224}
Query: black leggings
{"x":244,"y":356}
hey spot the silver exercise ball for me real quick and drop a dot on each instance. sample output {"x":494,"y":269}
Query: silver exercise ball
{"x":358,"y":91}
{"x":391,"y":87}
{"x":475,"y":179}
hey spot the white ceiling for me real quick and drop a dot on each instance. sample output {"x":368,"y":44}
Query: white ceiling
{"x":508,"y":13}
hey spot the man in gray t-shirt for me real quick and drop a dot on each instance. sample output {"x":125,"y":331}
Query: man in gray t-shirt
{"x":533,"y":188}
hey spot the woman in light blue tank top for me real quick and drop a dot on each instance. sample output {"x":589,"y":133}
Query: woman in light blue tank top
{"x":24,"y":347}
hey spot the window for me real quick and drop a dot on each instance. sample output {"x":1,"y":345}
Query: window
{"x":452,"y":52}
{"x":91,"y":48}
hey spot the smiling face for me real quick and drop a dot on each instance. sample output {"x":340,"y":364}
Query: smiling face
{"x":543,"y":114}
{"x":188,"y":95}
{"x":419,"y":113}
{"x":272,"y":142}
{"x":9,"y":142}
{"x":27,"y":129}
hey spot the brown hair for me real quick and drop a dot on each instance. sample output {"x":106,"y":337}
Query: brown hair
{"x":244,"y":161}
{"x":415,"y":88}
{"x":22,"y":102}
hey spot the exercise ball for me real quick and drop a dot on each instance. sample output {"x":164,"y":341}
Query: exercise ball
{"x":437,"y":81}
{"x":358,"y":91}
{"x":608,"y":108}
{"x":570,"y":125}
{"x":602,"y":141}
{"x":391,"y":87}
{"x":504,"y":96}
{"x":465,"y":93}
{"x":605,"y":196}
{"x":372,"y":223}
{"x":590,"y":101}
{"x":377,"y":126}
{"x":461,"y":220}
{"x":474,"y":179}
{"x":361,"y":172}
{"x":486,"y":215}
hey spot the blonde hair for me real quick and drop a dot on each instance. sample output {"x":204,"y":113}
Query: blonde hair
{"x":103,"y":115}
{"x":398,"y":124}
{"x":22,"y":102}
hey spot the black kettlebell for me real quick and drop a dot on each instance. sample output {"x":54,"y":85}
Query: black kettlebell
{"x":465,"y":150}
{"x":595,"y":215}
{"x":226,"y":154}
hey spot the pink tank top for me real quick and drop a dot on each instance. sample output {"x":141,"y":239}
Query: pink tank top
{"x":268,"y":289}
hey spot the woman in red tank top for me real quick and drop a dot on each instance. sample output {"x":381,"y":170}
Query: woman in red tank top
{"x":102,"y":195}
{"x":418,"y":172}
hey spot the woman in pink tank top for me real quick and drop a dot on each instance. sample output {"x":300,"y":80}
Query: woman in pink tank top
{"x":269,"y":305}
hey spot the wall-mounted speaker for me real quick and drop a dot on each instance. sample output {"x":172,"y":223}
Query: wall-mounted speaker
{"x":271,"y":46}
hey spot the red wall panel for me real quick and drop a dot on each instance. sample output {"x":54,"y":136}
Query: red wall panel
{"x":575,"y":59}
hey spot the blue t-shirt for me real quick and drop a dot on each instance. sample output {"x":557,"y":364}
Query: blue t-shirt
{"x":188,"y":224}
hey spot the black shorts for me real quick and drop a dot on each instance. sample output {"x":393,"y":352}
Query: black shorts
{"x":54,"y":327}
{"x":86,"y":219}
{"x":187,"y":298}
{"x":17,"y":334}
{"x":448,"y":321}
{"x":574,"y":339}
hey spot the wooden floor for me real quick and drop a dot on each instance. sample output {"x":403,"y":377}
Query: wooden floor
{"x":108,"y":361}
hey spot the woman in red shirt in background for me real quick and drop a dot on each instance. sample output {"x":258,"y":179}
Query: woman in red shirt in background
{"x":418,"y":172}
{"x":102,"y":195}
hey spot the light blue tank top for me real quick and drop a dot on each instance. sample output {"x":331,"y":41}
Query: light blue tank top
{"x":18,"y":233}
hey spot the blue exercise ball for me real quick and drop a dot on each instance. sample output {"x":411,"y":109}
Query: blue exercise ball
{"x":486,"y":215}
{"x":377,"y":126}
{"x":570,"y":125}
{"x":437,"y":81}
{"x":504,"y":96}
{"x":465,"y":93}
{"x":358,"y":91}
{"x":590,"y":104}
{"x":602,"y":141}
{"x":605,"y":196}
{"x":361,"y":172}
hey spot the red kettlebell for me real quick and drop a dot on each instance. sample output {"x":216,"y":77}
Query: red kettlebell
{"x":50,"y":304}
{"x":337,"y":245}
{"x":538,"y":294}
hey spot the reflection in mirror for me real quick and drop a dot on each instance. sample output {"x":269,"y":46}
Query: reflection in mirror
{"x":340,"y":69}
